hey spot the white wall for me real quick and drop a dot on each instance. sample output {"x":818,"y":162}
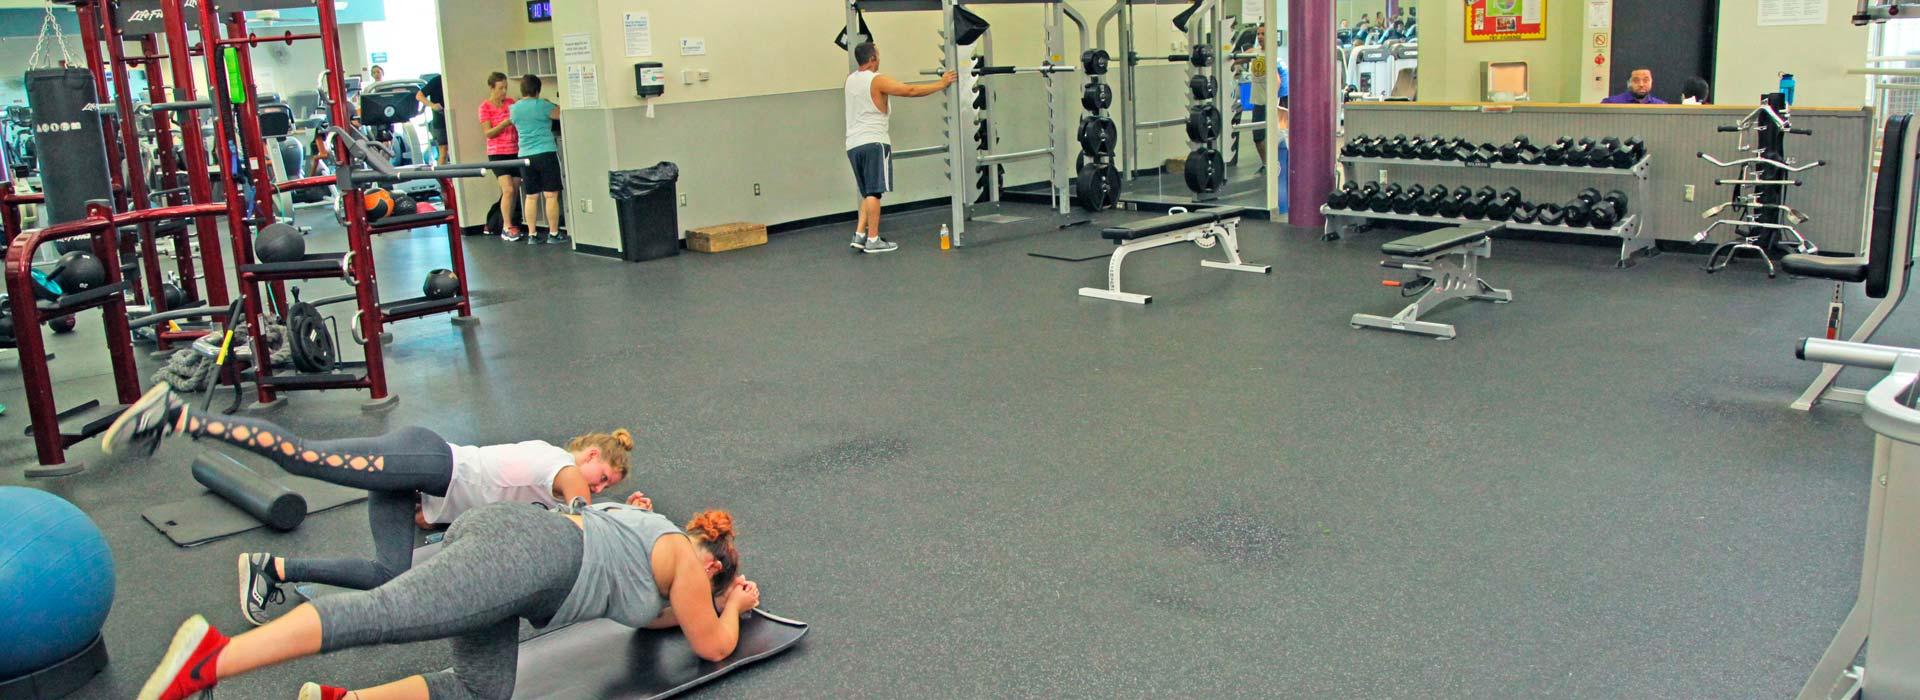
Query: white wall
{"x":14,"y":53}
{"x":1749,"y":57}
{"x":412,"y":50}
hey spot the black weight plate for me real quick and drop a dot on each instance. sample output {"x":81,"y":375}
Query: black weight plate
{"x":1203,"y":87}
{"x":1088,"y":188}
{"x":1096,"y":96}
{"x":1112,"y":175}
{"x":1203,"y":123}
{"x":1217,"y":171}
{"x":1196,"y":170}
{"x":1201,"y":55}
{"x":1094,"y":61}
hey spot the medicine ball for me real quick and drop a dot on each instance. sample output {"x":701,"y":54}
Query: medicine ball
{"x":379,"y":204}
{"x":279,"y":243}
{"x":172,"y":295}
{"x":58,"y":575}
{"x":403,"y":205}
{"x":78,"y":272}
{"x":64,"y":324}
{"x":441,"y":284}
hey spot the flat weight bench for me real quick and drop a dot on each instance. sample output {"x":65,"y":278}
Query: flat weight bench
{"x":1448,"y":262}
{"x":1883,"y":272}
{"x":1202,"y":228}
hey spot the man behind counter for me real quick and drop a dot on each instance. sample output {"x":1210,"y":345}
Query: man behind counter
{"x":1638,"y":89}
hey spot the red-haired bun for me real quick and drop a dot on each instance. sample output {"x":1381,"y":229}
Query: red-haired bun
{"x":715,"y":524}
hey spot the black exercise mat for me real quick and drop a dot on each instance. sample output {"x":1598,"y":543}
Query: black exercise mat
{"x":207,"y":517}
{"x":651,"y":664}
{"x":1072,"y":246}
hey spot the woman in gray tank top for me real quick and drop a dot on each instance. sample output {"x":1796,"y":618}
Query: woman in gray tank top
{"x":501,"y":563}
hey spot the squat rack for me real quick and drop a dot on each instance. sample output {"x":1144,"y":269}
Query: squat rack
{"x":964,"y":158}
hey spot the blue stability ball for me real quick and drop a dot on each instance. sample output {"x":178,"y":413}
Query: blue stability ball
{"x":56,"y":580}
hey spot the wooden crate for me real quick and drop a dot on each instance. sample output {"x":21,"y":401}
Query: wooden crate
{"x":725,"y":237}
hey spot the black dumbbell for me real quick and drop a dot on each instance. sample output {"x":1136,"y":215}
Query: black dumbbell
{"x":1556,"y":154}
{"x":1476,"y":205}
{"x":1431,"y":151}
{"x":1429,"y":205}
{"x":1602,"y":217}
{"x":1383,"y":202}
{"x":1619,"y":201}
{"x":1351,"y":148}
{"x":1342,"y":198}
{"x":1362,"y":198}
{"x":1522,"y":214}
{"x":1395,"y":147}
{"x":1517,"y":150}
{"x":1577,"y":212}
{"x":1450,"y":206}
{"x":1629,"y":153}
{"x":1503,"y":204}
{"x":1406,"y":201}
{"x":1548,"y":215}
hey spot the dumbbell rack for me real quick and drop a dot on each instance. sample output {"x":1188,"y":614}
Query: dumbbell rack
{"x":1635,"y":240}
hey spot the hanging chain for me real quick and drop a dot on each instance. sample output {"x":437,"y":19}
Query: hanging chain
{"x":59,"y":37}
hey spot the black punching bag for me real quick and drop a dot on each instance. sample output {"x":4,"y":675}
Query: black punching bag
{"x":72,"y":148}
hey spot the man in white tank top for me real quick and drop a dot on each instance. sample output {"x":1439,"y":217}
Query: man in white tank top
{"x":869,"y":148}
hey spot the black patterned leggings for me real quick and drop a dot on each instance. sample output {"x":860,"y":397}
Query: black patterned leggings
{"x":394,"y":468}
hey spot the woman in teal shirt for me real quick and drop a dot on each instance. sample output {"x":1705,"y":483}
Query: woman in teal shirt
{"x":533,"y":117}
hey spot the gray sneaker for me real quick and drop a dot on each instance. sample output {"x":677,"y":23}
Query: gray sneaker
{"x":880,"y":245}
{"x":257,"y":587}
{"x":859,"y":241}
{"x":140,"y":427}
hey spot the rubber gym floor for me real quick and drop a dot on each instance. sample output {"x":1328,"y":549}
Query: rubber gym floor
{"x":975,"y":483}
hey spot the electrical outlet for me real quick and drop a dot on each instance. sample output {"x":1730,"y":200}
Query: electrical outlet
{"x":683,"y":200}
{"x":1383,"y":176}
{"x":1689,"y":193}
{"x":586,"y":206}
{"x":756,"y":189}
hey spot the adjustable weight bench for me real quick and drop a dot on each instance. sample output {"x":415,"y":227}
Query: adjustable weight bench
{"x":1883,"y":271}
{"x":1448,"y":264}
{"x":1202,"y":228}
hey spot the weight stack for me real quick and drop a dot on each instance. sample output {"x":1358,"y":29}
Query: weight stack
{"x":1097,"y":181}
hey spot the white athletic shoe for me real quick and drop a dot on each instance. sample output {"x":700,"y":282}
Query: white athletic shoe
{"x":880,"y":245}
{"x":143,"y":424}
{"x":315,"y":691}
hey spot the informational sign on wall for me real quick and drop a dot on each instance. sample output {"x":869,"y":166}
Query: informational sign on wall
{"x":1253,"y":11}
{"x":576,"y":48}
{"x":1780,"y":13}
{"x":639,"y":32}
{"x":583,"y":85}
{"x":1506,"y":20}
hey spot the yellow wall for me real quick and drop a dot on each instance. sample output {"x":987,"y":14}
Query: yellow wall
{"x":1450,"y":67}
{"x":1749,"y":57}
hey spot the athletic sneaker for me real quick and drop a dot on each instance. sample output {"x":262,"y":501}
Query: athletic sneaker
{"x":258,"y":587}
{"x":536,"y":238}
{"x":859,"y":241}
{"x":189,"y":665}
{"x":140,"y":427}
{"x":880,"y":245}
{"x":315,"y":691}
{"x":560,"y":237}
{"x":511,"y":236}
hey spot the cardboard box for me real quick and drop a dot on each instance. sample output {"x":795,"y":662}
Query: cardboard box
{"x":1176,"y":165}
{"x":725,"y":237}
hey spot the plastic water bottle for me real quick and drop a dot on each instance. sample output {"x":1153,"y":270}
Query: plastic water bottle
{"x":946,"y":238}
{"x":1786,"y":87}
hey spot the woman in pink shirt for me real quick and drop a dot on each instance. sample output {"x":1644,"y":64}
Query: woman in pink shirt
{"x":503,"y":143}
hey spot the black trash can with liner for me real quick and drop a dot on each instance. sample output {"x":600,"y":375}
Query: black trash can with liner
{"x":649,"y":211}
